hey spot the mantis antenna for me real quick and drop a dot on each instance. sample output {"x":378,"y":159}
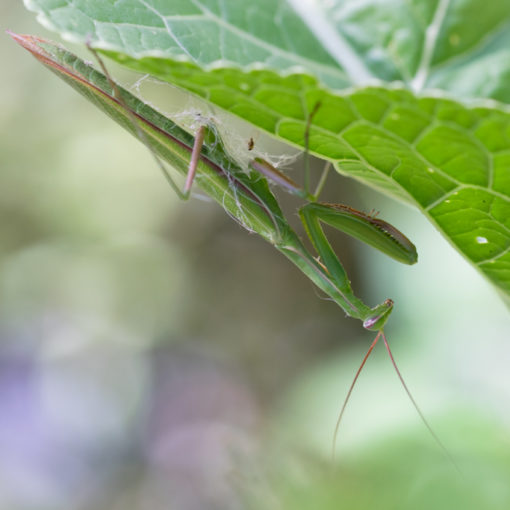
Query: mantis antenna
{"x":409,"y":394}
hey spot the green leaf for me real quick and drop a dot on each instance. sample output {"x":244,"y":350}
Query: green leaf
{"x":271,"y":61}
{"x":449,"y":44}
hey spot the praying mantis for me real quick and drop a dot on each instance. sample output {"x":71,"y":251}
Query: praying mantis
{"x":245,"y":194}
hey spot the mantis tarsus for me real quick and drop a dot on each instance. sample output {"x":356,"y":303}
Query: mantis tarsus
{"x":327,"y":272}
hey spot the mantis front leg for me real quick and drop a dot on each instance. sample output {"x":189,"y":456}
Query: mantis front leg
{"x":373,"y":231}
{"x":362,"y":227}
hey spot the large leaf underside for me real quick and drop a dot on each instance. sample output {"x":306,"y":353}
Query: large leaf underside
{"x":270,"y":61}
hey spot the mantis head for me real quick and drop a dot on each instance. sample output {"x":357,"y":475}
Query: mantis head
{"x":377,"y":319}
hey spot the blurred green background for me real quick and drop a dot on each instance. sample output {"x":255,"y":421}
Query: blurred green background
{"x":153,"y":355}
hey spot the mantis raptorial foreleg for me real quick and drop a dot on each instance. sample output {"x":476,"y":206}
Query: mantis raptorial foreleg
{"x":373,"y":231}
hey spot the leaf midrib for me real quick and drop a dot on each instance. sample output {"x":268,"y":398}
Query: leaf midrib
{"x":429,"y":46}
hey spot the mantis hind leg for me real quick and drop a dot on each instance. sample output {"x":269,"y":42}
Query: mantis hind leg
{"x":197,"y":145}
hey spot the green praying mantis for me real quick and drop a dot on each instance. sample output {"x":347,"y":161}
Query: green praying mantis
{"x":245,"y":194}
